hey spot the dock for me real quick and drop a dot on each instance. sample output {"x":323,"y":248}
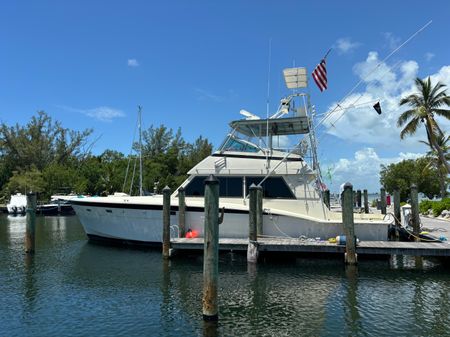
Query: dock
{"x":292,"y":245}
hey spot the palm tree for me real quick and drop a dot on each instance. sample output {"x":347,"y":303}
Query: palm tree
{"x":425,"y":104}
{"x":436,"y":163}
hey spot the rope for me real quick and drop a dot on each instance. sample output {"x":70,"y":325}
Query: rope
{"x":409,"y":232}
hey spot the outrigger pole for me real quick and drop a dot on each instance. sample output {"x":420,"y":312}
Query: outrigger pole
{"x":338,"y":105}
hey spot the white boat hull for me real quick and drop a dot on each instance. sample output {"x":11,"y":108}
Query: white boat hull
{"x":142,"y":224}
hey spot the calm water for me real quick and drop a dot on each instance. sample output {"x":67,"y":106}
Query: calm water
{"x":75,"y":288}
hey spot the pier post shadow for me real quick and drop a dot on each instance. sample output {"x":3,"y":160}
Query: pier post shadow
{"x":29,"y":282}
{"x":353,"y":316}
{"x":210,"y":328}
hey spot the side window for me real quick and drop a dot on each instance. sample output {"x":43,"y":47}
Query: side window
{"x":228,"y":187}
{"x":273,"y":187}
{"x":196,"y":188}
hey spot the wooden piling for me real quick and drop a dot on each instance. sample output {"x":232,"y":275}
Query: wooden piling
{"x":383,"y":200}
{"x":326,"y":198}
{"x":397,"y":207}
{"x":349,"y":225}
{"x":181,"y":213}
{"x":397,"y":214}
{"x":259,"y":210}
{"x":366,"y":202}
{"x":415,"y":211}
{"x":252,"y":229}
{"x":166,"y":222}
{"x":358,"y":198}
{"x":252,"y":249}
{"x":211,"y":250}
{"x":30,"y":230}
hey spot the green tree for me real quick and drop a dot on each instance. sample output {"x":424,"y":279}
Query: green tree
{"x":40,"y":142}
{"x":25,"y":182}
{"x":436,"y":162}
{"x":403,"y":174}
{"x":429,"y":101}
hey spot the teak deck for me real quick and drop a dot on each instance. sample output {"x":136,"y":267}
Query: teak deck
{"x":301,"y":246}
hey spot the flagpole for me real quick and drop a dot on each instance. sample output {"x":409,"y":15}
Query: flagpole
{"x":329,"y":50}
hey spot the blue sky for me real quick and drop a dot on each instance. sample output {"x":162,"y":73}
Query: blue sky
{"x":195,"y":64}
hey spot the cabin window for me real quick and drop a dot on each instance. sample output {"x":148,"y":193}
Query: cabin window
{"x":273,"y":187}
{"x":230,"y":187}
{"x":238,"y":145}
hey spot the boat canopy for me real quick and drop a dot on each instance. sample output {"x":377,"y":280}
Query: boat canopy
{"x":277,"y":127}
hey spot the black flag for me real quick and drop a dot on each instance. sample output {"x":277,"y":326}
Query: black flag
{"x":377,"y":107}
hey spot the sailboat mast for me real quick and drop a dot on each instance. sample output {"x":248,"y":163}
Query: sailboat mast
{"x":140,"y":150}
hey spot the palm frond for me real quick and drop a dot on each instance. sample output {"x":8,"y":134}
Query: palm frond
{"x":442,"y":112}
{"x":410,"y":128}
{"x":405,"y":116}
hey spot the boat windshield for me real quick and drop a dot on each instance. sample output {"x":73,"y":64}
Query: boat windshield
{"x":232,"y":143}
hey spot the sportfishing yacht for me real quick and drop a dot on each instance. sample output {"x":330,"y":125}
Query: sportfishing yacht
{"x":255,"y":151}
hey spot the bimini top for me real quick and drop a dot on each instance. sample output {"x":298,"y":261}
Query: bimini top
{"x":277,"y":126}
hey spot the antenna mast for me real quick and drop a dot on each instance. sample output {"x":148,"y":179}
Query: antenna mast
{"x":140,"y":149}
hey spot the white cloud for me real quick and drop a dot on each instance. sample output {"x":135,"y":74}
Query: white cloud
{"x":392,"y":41}
{"x":387,"y":84}
{"x":102,"y":113}
{"x":429,"y":56}
{"x":363,"y":170}
{"x":205,"y":95}
{"x":133,"y":63}
{"x":345,"y":45}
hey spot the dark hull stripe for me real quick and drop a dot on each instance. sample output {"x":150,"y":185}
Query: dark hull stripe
{"x":148,"y":207}
{"x":254,"y":157}
{"x":123,"y":242}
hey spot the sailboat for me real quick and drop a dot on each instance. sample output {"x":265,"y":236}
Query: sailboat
{"x":255,"y":151}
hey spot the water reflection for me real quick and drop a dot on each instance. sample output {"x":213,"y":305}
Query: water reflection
{"x":29,"y":283}
{"x":72,"y":285}
{"x":352,"y":316}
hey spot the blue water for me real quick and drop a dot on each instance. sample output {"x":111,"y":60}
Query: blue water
{"x":75,"y":288}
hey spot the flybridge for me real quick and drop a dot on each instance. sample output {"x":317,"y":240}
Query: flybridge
{"x":272,"y":127}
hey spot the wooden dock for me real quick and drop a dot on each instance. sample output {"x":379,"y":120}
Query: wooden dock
{"x":436,"y":249}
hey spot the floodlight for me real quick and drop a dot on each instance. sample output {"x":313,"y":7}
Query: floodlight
{"x":295,"y":78}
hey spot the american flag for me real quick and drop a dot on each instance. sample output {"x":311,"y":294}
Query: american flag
{"x":320,"y":75}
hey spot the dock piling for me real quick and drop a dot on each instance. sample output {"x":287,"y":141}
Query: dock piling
{"x":397,"y":214}
{"x":30,"y":231}
{"x":358,"y":198}
{"x":326,"y":198}
{"x":252,"y":250}
{"x":366,"y":202}
{"x":181,"y":213}
{"x":383,"y":200}
{"x":166,"y":222}
{"x":349,"y":224}
{"x":415,"y":211}
{"x":259,"y":210}
{"x":211,"y":250}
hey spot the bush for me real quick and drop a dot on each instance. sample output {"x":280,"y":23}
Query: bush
{"x":425,"y":205}
{"x":440,"y":206}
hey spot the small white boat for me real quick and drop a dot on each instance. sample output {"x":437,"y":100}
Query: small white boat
{"x":17,"y":204}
